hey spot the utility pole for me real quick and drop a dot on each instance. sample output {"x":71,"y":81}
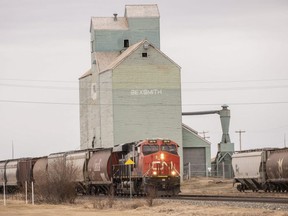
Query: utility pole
{"x":240,"y":133}
{"x":12,"y":150}
{"x":204,"y":134}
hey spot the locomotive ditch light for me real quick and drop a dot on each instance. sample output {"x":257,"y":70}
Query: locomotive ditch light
{"x":154,"y":173}
{"x":173,"y":173}
{"x":162,"y":156}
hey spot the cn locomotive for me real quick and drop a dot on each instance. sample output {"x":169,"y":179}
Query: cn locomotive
{"x":261,"y":169}
{"x":135,"y":167}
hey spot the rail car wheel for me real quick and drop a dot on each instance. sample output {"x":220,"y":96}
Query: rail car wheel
{"x":266,"y":188}
{"x":240,"y":188}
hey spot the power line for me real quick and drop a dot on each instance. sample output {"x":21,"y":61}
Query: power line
{"x":38,"y":102}
{"x":43,"y":87}
{"x":146,"y":104}
{"x":36,"y":80}
{"x":183,"y":89}
{"x":209,"y":81}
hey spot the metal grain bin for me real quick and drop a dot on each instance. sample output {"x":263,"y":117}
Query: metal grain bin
{"x":40,"y":169}
{"x":100,"y":166}
{"x":277,"y":166}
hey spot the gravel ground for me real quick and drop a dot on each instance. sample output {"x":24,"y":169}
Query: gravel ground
{"x":89,"y":206}
{"x":266,"y":206}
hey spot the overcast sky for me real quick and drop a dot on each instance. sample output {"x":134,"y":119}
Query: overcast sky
{"x":232,"y":52}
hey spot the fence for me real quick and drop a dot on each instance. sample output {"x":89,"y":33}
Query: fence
{"x":222,"y":171}
{"x":19,"y":196}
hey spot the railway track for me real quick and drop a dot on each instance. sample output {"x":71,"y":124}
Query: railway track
{"x":279,"y":200}
{"x":216,"y":198}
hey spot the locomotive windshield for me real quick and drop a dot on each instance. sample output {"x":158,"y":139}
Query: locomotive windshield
{"x":149,"y":149}
{"x":169,"y":148}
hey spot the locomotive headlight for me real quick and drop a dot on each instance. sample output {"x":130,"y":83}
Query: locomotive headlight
{"x":154,"y":173}
{"x":173,"y":173}
{"x":162,"y":156}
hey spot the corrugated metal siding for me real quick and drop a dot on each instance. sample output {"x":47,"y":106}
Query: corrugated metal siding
{"x":197,"y":159}
{"x":192,"y":140}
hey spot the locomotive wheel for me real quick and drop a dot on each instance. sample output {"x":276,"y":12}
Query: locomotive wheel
{"x":151,"y":191}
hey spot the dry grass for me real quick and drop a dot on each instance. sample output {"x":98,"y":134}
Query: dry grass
{"x":219,"y":186}
{"x":136,"y":207}
{"x":132,"y":207}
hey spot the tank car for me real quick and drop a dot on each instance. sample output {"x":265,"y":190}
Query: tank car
{"x":261,"y":169}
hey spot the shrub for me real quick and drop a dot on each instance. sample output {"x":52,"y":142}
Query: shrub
{"x":111,"y":198}
{"x":151,"y":195}
{"x":58,"y":184}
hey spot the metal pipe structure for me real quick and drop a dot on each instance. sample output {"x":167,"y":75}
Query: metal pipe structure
{"x":201,"y":112}
{"x":225,"y":147}
{"x":224,"y":117}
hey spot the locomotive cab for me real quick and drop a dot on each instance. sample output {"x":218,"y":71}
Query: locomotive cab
{"x":159,"y":164}
{"x":159,"y":158}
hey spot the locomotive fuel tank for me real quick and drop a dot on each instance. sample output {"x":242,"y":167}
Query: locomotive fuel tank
{"x":277,"y":166}
{"x":100,"y":166}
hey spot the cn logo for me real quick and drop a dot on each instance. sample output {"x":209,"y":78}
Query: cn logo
{"x":158,"y":165}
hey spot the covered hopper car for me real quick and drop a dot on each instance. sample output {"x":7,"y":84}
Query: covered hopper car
{"x":135,"y":167}
{"x":15,"y":172}
{"x":261,"y":169}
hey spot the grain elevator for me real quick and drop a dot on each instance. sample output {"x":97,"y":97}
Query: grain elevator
{"x":132,"y":90}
